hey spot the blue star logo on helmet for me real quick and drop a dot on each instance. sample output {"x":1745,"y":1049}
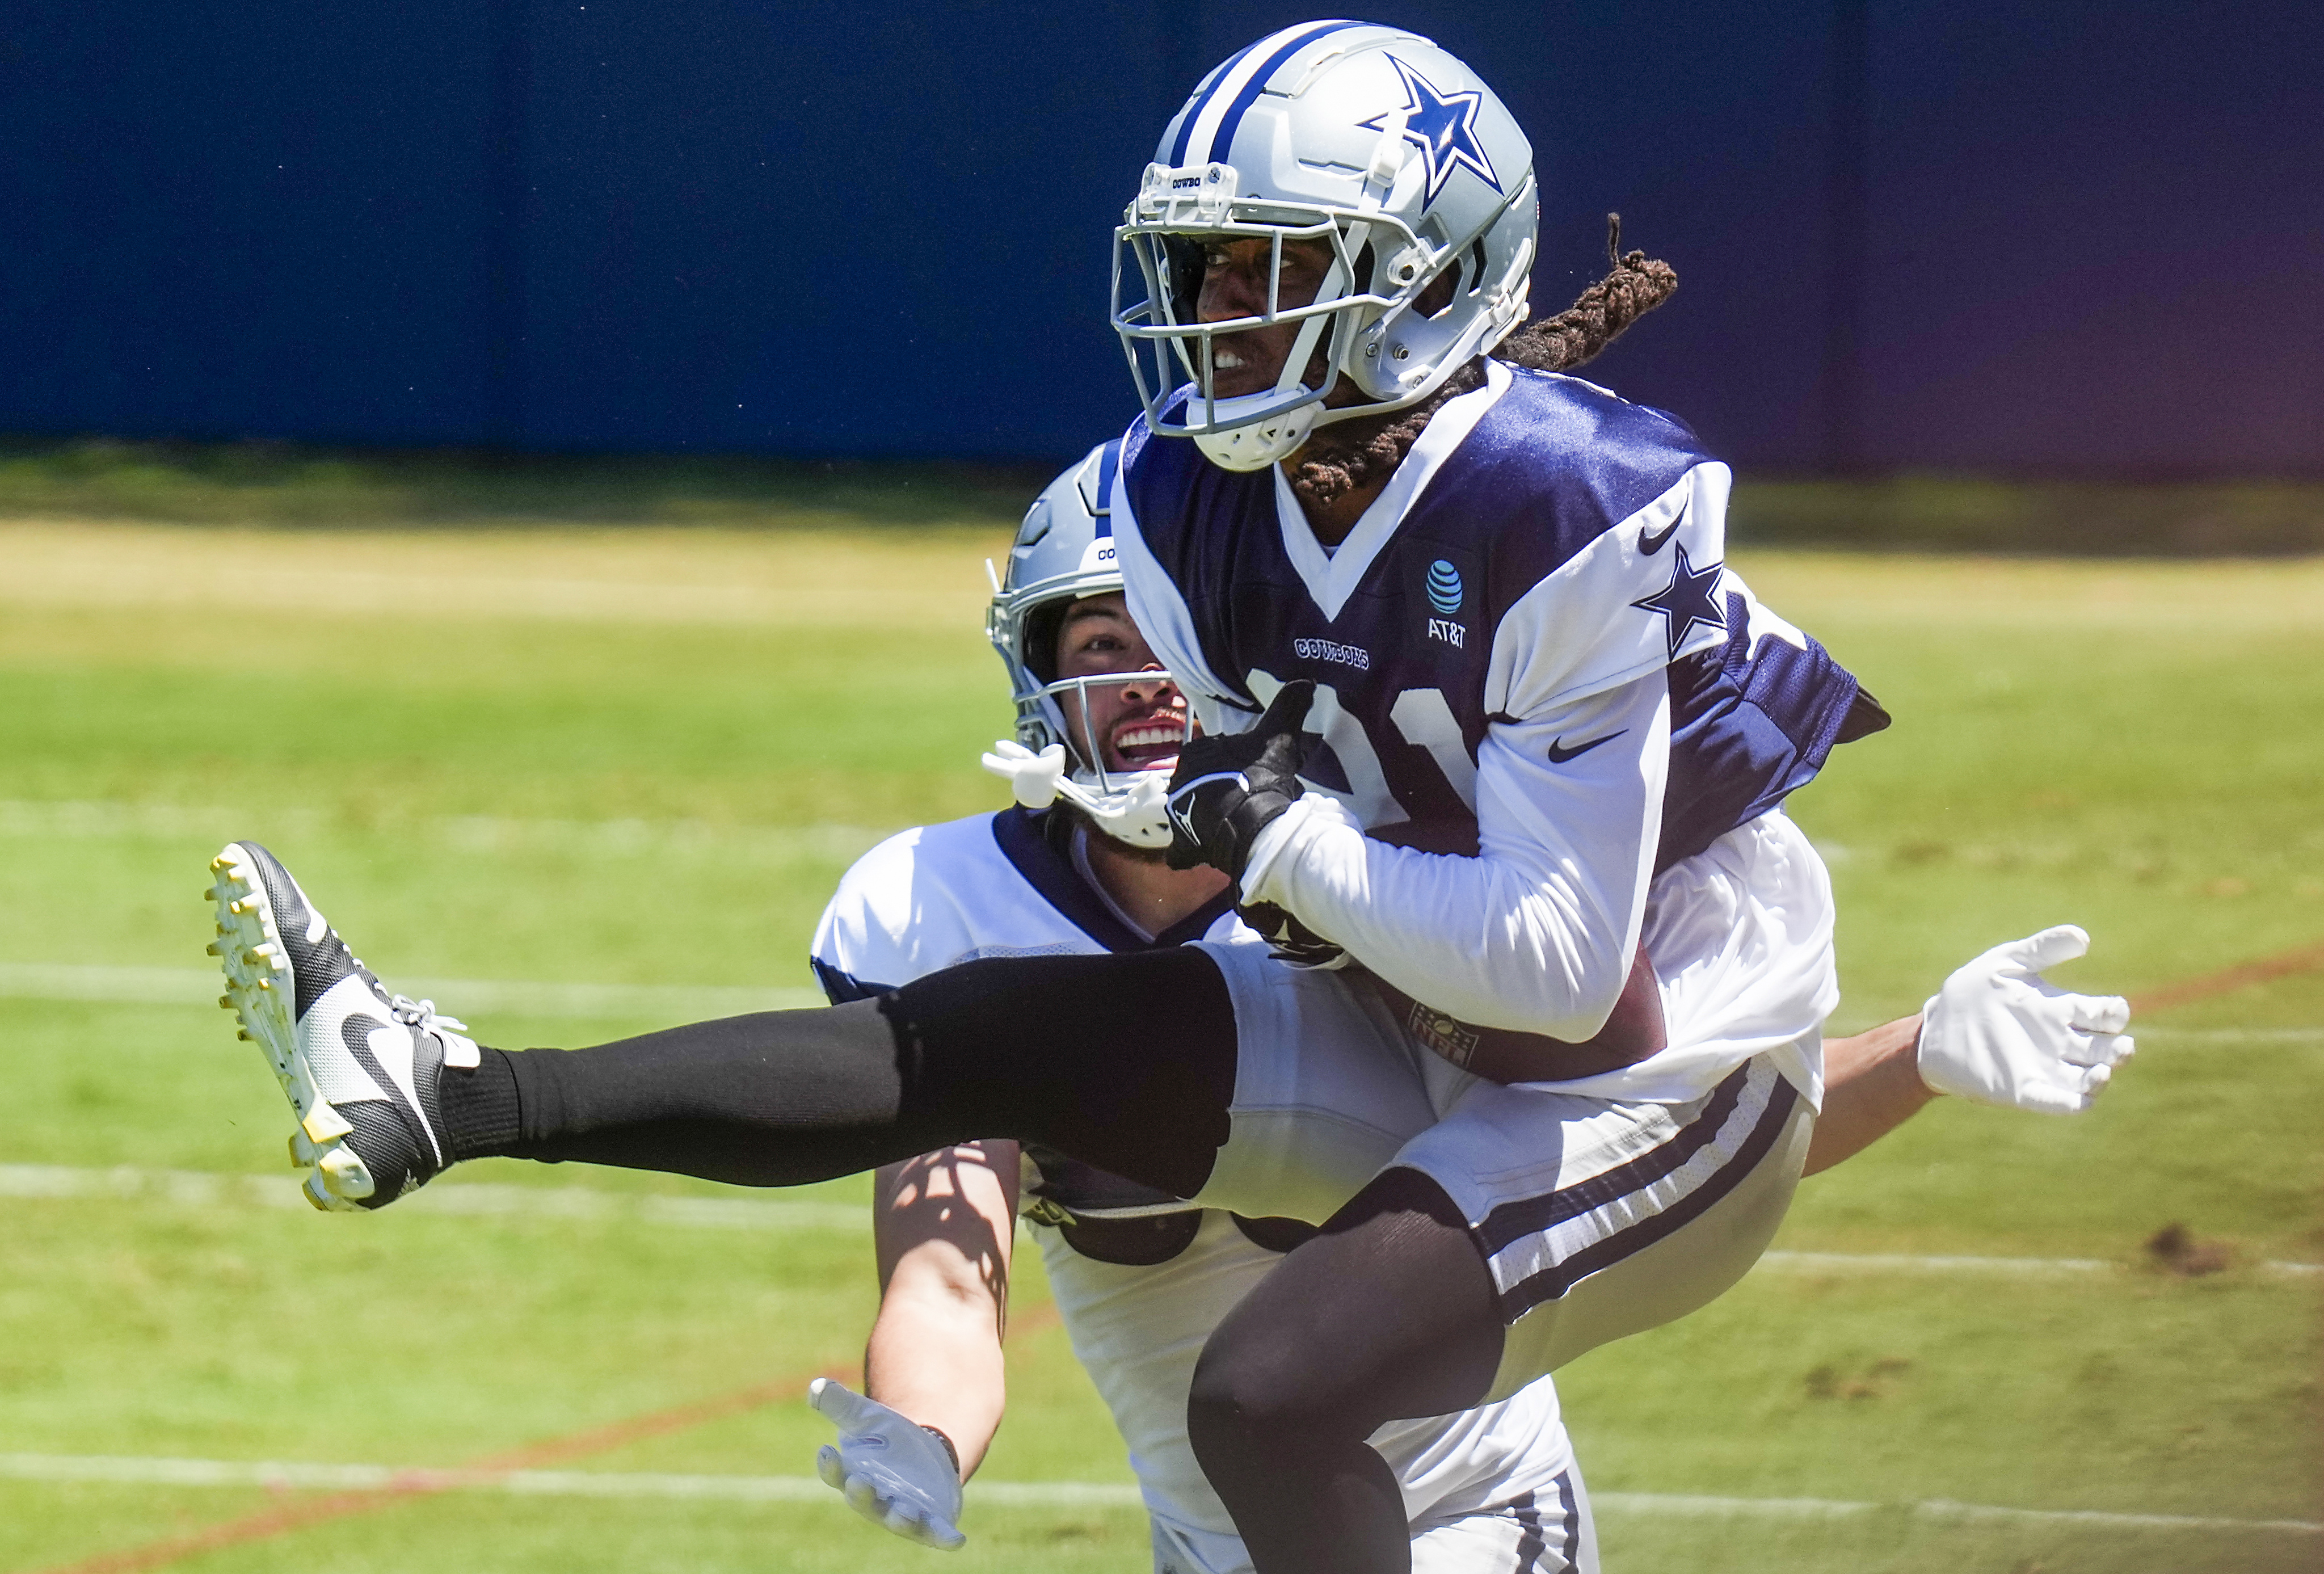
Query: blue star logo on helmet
{"x":1443,"y":124}
{"x":1445,"y":591}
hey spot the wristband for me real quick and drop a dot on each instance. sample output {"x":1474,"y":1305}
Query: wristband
{"x":951,"y":1452}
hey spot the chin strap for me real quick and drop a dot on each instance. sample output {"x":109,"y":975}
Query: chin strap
{"x":1137,"y":814}
{"x":1256,"y":444}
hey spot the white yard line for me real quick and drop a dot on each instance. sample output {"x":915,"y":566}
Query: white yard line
{"x":1661,"y":1503}
{"x":2033,"y":1267}
{"x":484,"y":1199}
{"x":283,"y":1475}
{"x":2152,"y":1036}
{"x":2202,"y":1035}
{"x":482,"y":587}
{"x":1891,"y":1263}
{"x":85,"y":820}
{"x":172,"y":986}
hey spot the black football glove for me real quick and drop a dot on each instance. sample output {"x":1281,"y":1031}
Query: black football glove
{"x":1228,"y":789}
{"x":1290,"y":940}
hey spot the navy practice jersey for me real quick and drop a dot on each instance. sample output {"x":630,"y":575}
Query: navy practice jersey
{"x":1529,"y":652}
{"x":1501,"y":524}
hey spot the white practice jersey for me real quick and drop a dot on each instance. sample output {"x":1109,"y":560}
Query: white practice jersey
{"x":993,"y":885}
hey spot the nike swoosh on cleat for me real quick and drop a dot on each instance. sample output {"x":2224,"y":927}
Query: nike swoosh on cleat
{"x":1650,"y":543}
{"x":1559,"y":753}
{"x":357,"y":1032}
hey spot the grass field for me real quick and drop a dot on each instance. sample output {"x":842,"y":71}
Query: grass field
{"x":641,"y":758}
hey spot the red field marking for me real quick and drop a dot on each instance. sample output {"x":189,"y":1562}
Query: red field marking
{"x":283,"y":1518}
{"x":1040,"y":1320}
{"x":2226,"y":980}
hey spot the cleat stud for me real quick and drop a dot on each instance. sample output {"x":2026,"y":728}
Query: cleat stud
{"x":214,"y":949}
{"x":225,"y":1002}
{"x":344,"y":1173}
{"x":244,"y":1034}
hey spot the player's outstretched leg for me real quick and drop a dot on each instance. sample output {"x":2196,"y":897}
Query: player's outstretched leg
{"x":387,"y":1094}
{"x":360,"y":1067}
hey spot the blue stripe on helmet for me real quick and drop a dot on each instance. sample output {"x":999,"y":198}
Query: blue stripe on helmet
{"x":1201,"y":101}
{"x":1224,"y":141}
{"x":1109,"y":466}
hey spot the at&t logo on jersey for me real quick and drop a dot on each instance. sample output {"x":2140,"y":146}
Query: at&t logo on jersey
{"x":1445,"y":593}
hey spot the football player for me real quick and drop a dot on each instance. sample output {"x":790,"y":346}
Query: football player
{"x":1482,"y":609}
{"x":1141,"y":1277}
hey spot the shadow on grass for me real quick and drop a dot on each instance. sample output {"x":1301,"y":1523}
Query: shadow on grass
{"x":278,"y":484}
{"x":272,"y":484}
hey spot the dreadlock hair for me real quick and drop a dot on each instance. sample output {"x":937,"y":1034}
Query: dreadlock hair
{"x":1343,"y":457}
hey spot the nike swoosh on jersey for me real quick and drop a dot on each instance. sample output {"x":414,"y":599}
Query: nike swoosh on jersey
{"x":1559,"y":753}
{"x":1650,"y":543}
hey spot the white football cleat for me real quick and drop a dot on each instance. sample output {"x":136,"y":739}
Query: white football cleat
{"x":359,"y":1066}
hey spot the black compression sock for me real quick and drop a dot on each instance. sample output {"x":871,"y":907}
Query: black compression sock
{"x":480,"y":1106}
{"x":1127,"y":1063}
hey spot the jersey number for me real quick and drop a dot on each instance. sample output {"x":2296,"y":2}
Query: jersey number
{"x":1420,"y":714}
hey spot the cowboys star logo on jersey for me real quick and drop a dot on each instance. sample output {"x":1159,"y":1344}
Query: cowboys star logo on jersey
{"x":1689,"y":602}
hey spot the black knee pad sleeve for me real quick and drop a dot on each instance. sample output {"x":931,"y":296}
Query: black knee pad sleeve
{"x":1125,"y":1062}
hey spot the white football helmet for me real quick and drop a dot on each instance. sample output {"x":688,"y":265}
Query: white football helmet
{"x":1063,"y":553}
{"x":1371,"y":139}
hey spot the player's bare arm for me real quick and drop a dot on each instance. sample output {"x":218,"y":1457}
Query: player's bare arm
{"x":943,"y":1224}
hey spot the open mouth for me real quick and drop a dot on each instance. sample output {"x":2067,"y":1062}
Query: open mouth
{"x":1148,"y":745}
{"x":1237,"y":368}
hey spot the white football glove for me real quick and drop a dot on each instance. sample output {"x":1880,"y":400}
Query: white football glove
{"x":1999,"y":1033}
{"x":891,"y":1471}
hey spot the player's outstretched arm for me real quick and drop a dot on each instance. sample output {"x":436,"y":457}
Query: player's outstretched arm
{"x":1996,"y":1032}
{"x":1870,"y":1088}
{"x":943,"y":1224}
